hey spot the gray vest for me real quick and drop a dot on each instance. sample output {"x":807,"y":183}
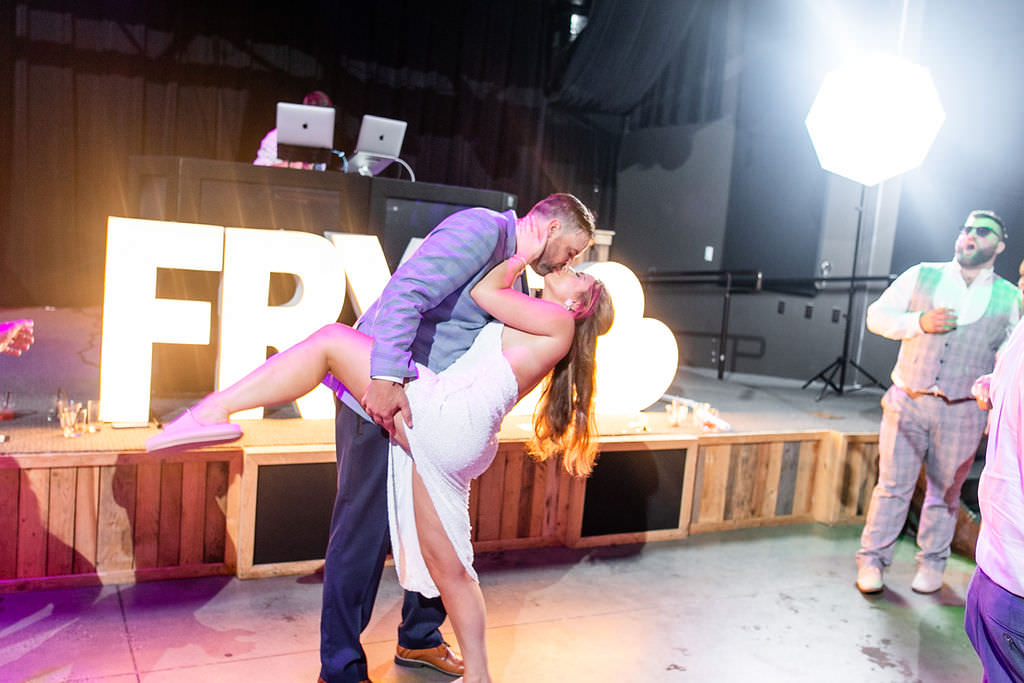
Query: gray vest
{"x":952,"y":361}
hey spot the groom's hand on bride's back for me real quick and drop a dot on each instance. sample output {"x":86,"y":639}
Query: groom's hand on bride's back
{"x":384,"y":400}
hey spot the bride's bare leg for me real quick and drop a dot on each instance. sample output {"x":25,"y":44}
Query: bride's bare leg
{"x":292,"y":373}
{"x":462,"y":596}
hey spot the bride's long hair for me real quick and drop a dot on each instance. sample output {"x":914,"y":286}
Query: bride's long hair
{"x":563,"y":421}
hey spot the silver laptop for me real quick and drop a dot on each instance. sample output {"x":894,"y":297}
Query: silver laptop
{"x":303,"y":125}
{"x":379,"y":143}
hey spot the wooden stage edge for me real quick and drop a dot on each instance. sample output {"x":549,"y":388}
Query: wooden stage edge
{"x":72,"y":518}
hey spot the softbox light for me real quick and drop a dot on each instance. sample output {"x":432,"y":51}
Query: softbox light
{"x":875,"y":118}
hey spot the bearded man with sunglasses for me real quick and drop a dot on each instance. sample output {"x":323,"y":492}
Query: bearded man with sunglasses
{"x":951,"y":318}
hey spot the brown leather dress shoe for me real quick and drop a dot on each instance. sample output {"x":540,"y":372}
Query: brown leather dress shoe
{"x":440,"y":658}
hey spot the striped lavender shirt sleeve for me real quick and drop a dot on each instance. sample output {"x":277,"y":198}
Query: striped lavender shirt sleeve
{"x":433,"y":284}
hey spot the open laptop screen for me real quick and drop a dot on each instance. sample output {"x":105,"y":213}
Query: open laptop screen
{"x":304,"y":132}
{"x":380,"y":142}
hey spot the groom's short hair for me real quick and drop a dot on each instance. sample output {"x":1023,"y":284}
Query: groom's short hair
{"x":567,"y":209}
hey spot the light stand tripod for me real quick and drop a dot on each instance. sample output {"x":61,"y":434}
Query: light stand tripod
{"x":828,"y":373}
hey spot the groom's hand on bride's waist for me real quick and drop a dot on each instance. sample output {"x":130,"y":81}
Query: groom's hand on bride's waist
{"x":383,"y":400}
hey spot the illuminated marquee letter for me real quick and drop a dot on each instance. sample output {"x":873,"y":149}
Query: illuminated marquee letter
{"x":133,"y":318}
{"x":249,"y":325}
{"x":638,"y":357}
{"x":365,"y":266}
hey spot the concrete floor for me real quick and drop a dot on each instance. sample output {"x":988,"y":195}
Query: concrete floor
{"x":770,"y":604}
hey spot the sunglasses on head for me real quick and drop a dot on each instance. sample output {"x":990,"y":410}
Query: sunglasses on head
{"x":979,"y":230}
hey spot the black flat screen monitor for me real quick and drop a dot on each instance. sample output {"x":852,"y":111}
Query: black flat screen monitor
{"x":401,"y":210}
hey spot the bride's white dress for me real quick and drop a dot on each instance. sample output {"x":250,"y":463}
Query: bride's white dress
{"x":456,"y":417}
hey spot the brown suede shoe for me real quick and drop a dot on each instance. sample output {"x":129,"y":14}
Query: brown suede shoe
{"x":440,"y":658}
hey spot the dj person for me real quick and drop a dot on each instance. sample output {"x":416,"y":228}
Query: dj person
{"x":267,"y":154}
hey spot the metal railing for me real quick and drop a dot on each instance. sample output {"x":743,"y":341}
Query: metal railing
{"x":743,"y":281}
{"x":753,"y":281}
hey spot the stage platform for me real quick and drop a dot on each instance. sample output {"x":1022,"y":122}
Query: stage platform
{"x":67,"y":355}
{"x":96,"y":508}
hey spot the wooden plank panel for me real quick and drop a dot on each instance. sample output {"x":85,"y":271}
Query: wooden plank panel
{"x":33,"y":510}
{"x":572,"y":493}
{"x":169,"y":538}
{"x":828,"y":478}
{"x":9,"y":485}
{"x":552,"y":486}
{"x":233,"y":507}
{"x":114,"y":549}
{"x":193,"y":496}
{"x":698,"y":481}
{"x":760,"y":464}
{"x":216,"y":511}
{"x":538,"y":505}
{"x":87,"y":505}
{"x":722,"y":438}
{"x":870,"y":478}
{"x":842,"y":494}
{"x":247,"y":512}
{"x":854,"y":481}
{"x":771,"y":453}
{"x":803,"y":493}
{"x":741,"y":490}
{"x":511,"y":494}
{"x":60,"y":527}
{"x":686,"y":500}
{"x":527,"y":481}
{"x":787,"y":478}
{"x":729,"y":498}
{"x":712,"y":487}
{"x":147,"y":514}
{"x":754,"y":523}
{"x":491,"y":497}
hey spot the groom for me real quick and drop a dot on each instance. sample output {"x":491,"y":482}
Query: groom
{"x":426,"y":315}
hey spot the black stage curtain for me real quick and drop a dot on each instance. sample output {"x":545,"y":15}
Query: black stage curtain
{"x":622,"y":53}
{"x":641,"y":64}
{"x":86,"y":85}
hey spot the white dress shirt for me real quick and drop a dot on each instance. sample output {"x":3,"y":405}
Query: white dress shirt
{"x":1000,"y":551}
{"x":888,"y":315}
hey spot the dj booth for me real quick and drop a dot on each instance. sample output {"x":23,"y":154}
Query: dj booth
{"x":247,"y":196}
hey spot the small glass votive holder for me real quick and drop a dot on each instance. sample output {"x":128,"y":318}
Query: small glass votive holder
{"x":676,"y":413}
{"x":92,"y":416}
{"x":72,"y":418}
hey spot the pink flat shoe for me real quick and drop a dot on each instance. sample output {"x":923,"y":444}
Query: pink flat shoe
{"x":186,"y":433}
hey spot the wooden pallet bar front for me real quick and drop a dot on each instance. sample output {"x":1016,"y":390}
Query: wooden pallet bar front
{"x":96,"y":517}
{"x":745,"y":480}
{"x":848,"y":475}
{"x":90,"y":518}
